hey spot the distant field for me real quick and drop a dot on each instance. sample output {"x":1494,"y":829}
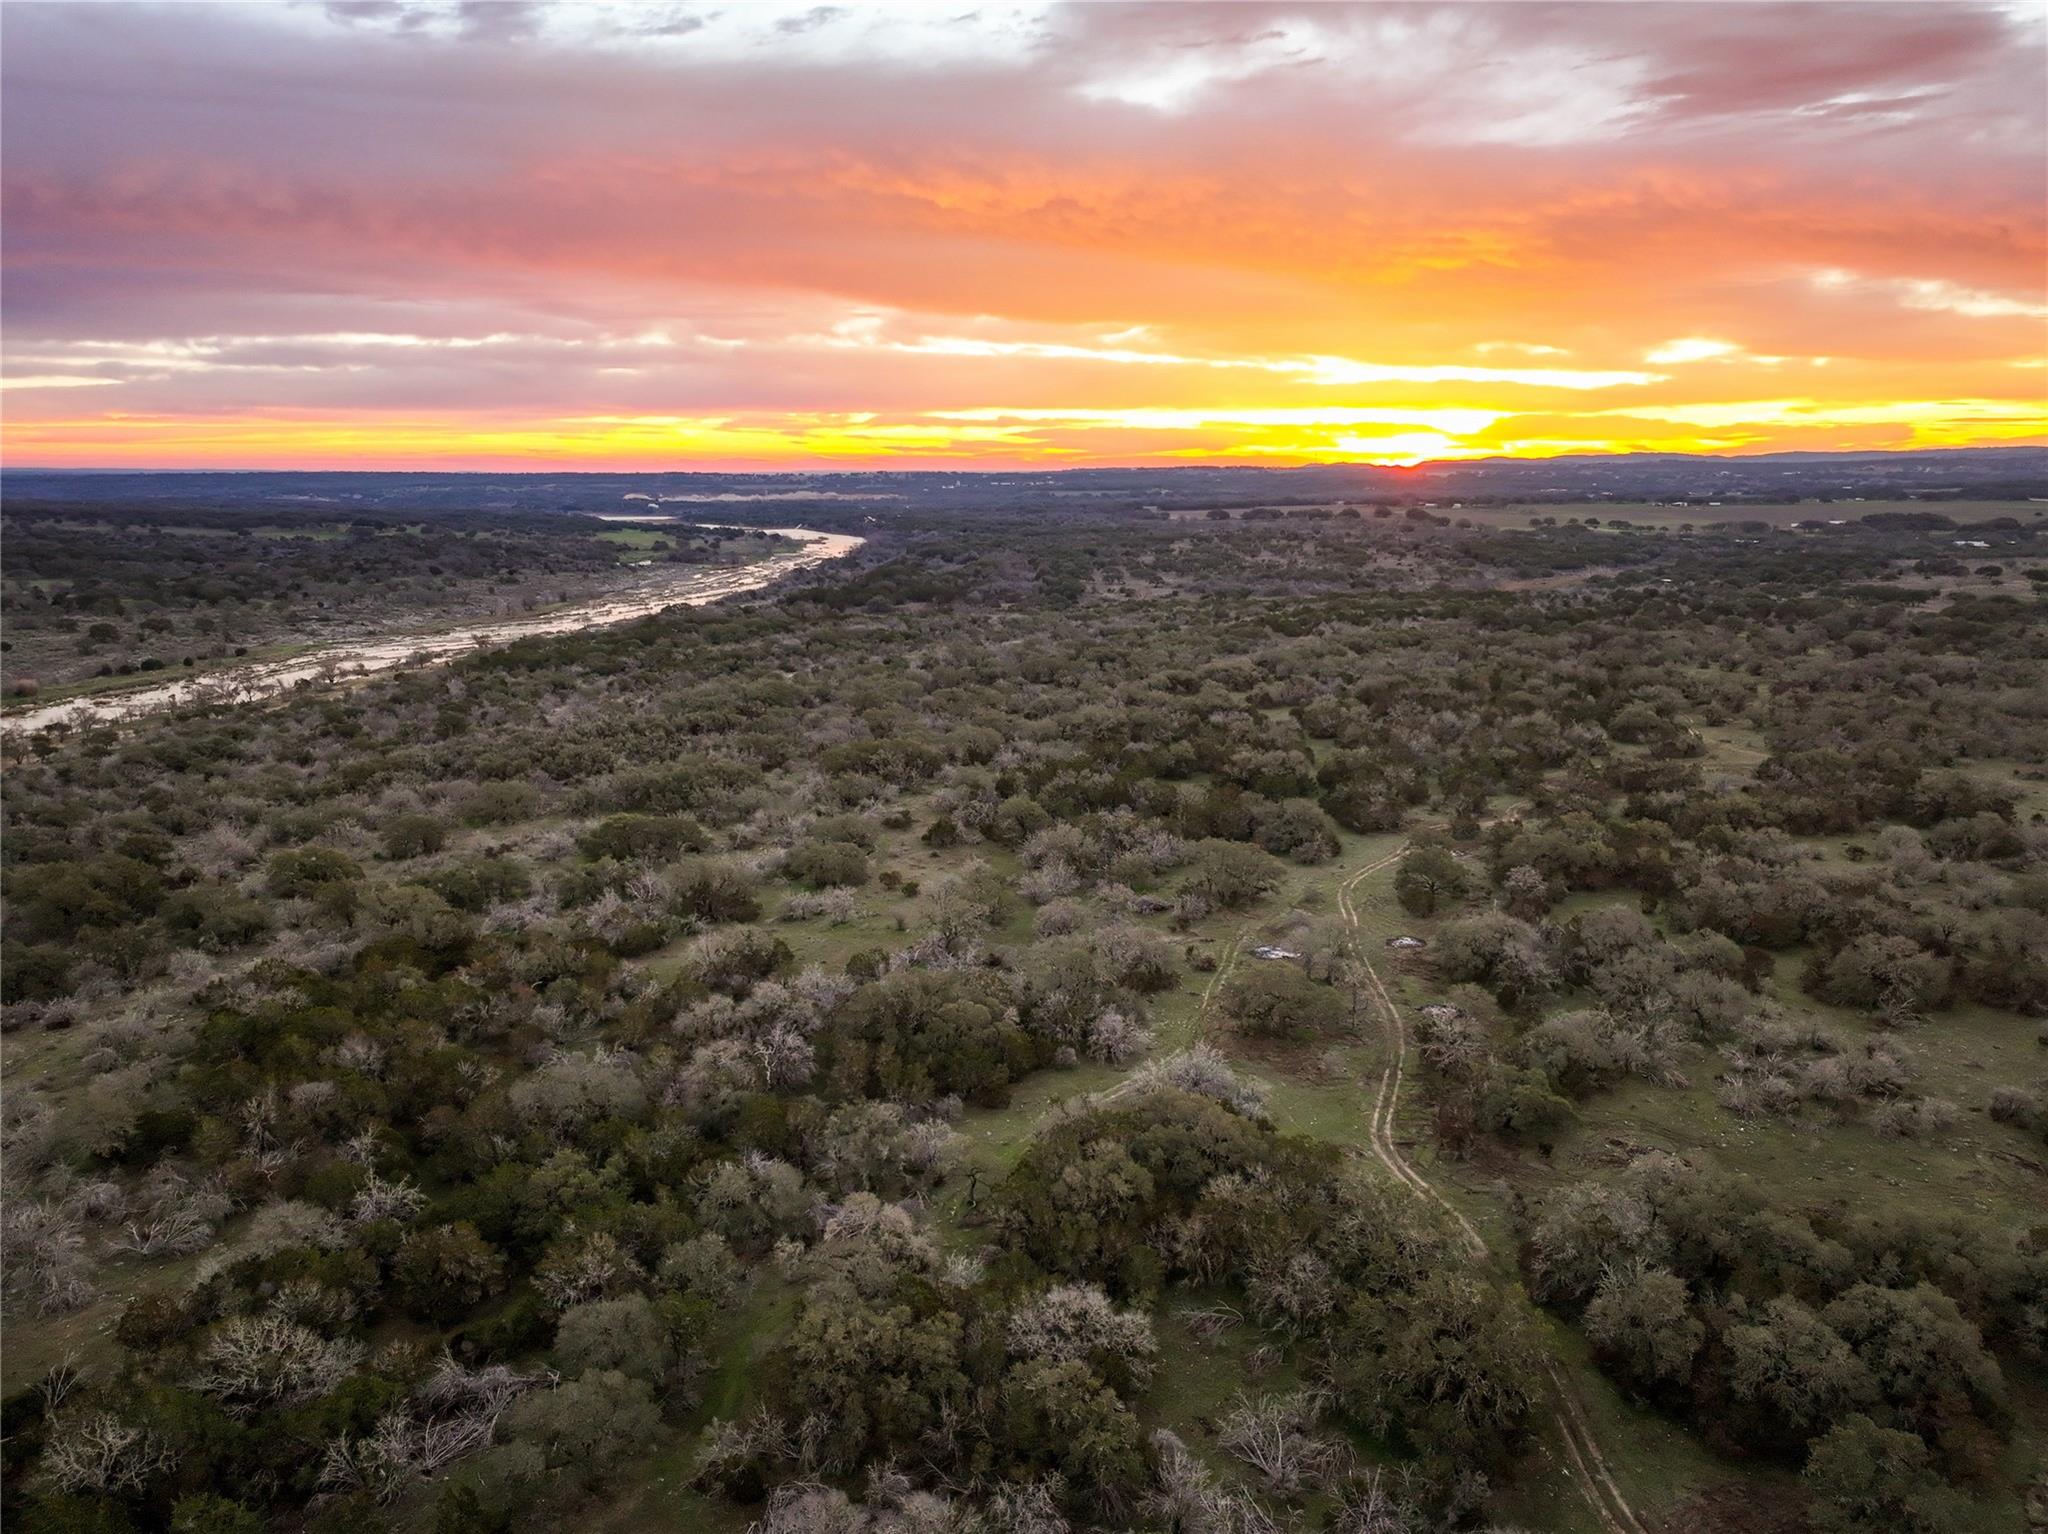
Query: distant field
{"x":1661,"y":515}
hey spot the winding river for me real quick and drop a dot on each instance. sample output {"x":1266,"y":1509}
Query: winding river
{"x":348,"y":659}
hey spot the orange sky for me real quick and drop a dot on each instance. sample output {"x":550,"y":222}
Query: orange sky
{"x":383,"y":234}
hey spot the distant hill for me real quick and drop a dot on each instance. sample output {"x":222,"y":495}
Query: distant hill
{"x":1991,"y":473}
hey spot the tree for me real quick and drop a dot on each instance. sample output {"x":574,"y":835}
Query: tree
{"x":641,"y":838}
{"x":1445,"y":1362}
{"x":303,"y":871}
{"x":623,"y":1336}
{"x":442,"y":1273}
{"x":586,"y":1429}
{"x":571,"y":1091}
{"x":1300,"y":830}
{"x":1060,"y":1417}
{"x":1642,"y":1318}
{"x":1497,"y":951}
{"x":1926,"y":1359}
{"x":702,"y":1268}
{"x":880,"y":1374}
{"x":1429,"y":878}
{"x":414,"y":835}
{"x":918,"y":1034}
{"x":1231,"y":875}
{"x":1797,"y":1368}
{"x":1867,"y":1479}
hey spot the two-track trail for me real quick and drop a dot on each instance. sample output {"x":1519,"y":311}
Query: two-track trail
{"x":1588,"y":1464}
{"x":1224,"y":966}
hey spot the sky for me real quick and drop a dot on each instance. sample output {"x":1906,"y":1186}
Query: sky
{"x":387,"y":234}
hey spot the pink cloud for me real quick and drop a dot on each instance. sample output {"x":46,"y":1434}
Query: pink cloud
{"x":1391,"y":182}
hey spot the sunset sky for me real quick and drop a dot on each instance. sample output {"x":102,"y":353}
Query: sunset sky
{"x":379,"y":234}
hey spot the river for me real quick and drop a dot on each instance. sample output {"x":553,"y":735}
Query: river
{"x":347,"y":659}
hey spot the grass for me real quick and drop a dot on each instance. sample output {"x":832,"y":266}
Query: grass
{"x":37,"y":1345}
{"x":635,"y":543}
{"x":1644,"y":514}
{"x":657,"y":1495}
{"x":1671,"y":518}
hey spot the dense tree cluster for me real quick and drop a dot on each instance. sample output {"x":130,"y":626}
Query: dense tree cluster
{"x":119,"y":591}
{"x":1822,"y":1340}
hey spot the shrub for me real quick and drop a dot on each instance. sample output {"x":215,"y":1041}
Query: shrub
{"x":306,"y":870}
{"x":641,"y":838}
{"x":414,"y":836}
{"x":1275,"y":1000}
{"x":823,"y":865}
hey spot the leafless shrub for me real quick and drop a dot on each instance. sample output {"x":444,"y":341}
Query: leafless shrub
{"x":1914,"y":1119}
{"x":397,"y":1453}
{"x":362,"y":1054}
{"x":98,"y":1453}
{"x":589,"y":1269}
{"x":805,"y":1507}
{"x":1263,"y":1359}
{"x":381,"y":1200}
{"x":1049,"y":881}
{"x":100,"y":1199}
{"x":314,"y":1304}
{"x":251,"y":1361}
{"x":2017,"y":1106}
{"x":930,"y":1146}
{"x":785,"y":1056}
{"x":174,"y":1217}
{"x":1188,"y":1500}
{"x":1273,"y":1435}
{"x":451,"y":1414}
{"x":734,"y":1445}
{"x":1205,"y":1073}
{"x":1293,"y":1291}
{"x":1057,"y":918}
{"x":1370,"y":1506}
{"x":43,"y":1261}
{"x":1115,"y":1039}
{"x":1079,"y":1322}
{"x":1032,"y":1507}
{"x":1759,"y":1087}
{"x":837,"y":906}
{"x":221,"y":850}
{"x":1212,"y":1321}
{"x":962,"y":1270}
{"x":287,"y":1223}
